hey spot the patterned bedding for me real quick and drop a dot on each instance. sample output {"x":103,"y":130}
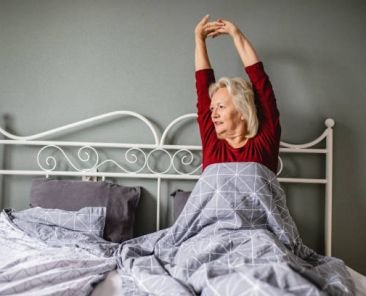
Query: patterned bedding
{"x":235,"y":236}
{"x":53,"y":252}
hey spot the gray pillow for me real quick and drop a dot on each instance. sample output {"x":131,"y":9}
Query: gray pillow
{"x":179,"y":201}
{"x":72,"y":195}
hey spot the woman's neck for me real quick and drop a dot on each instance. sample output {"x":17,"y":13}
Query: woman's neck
{"x":237,"y":142}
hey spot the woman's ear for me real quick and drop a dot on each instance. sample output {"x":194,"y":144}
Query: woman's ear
{"x":242,"y":117}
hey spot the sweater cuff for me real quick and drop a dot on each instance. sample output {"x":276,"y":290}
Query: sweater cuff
{"x":255,"y":71}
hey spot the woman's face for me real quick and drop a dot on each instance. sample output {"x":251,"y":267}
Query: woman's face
{"x":226,"y":118}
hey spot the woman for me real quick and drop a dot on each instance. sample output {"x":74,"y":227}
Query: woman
{"x":235,"y":232}
{"x":229,"y":126}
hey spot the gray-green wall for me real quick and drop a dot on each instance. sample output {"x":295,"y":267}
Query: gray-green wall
{"x":62,"y":61}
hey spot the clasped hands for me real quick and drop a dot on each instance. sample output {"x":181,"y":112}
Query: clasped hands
{"x":206,"y":28}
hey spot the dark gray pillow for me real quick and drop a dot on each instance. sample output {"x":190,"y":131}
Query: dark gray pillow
{"x":179,"y":201}
{"x":72,"y":195}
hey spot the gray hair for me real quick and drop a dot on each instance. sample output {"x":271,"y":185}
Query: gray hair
{"x":243,"y":99}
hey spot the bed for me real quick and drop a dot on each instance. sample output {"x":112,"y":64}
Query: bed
{"x":78,"y":209}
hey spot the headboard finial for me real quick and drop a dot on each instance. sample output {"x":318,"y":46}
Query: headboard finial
{"x":329,"y":122}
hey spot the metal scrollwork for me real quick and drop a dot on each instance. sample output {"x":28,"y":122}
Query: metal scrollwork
{"x":83,"y":155}
{"x":279,"y":171}
{"x":185,"y":160}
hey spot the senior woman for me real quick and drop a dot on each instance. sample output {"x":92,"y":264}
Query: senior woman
{"x":231,"y":129}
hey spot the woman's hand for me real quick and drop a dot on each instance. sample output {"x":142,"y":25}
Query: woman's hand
{"x":243,"y":46}
{"x":205,"y":28}
{"x":226,"y":28}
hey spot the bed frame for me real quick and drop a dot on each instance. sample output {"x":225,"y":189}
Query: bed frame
{"x":141,"y":157}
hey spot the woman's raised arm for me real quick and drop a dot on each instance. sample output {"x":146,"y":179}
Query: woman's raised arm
{"x":203,"y":29}
{"x":269,"y":119}
{"x":245,"y":49}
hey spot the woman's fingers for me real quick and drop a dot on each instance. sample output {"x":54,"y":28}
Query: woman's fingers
{"x":206,"y":28}
{"x":199,"y":30}
{"x":200,"y":25}
{"x":218,"y":31}
{"x":213,"y":34}
{"x":204,"y":20}
{"x":230,"y":27}
{"x":211,"y":26}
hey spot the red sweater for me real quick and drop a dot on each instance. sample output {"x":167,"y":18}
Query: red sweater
{"x":264,"y":147}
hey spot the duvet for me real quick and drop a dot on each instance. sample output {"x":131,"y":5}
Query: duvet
{"x":53,"y":252}
{"x":235,"y":236}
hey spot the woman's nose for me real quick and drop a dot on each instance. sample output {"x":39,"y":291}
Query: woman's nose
{"x":214,"y":113}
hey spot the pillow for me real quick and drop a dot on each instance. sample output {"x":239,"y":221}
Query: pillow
{"x":87,"y":220}
{"x":180,"y":199}
{"x":72,"y":195}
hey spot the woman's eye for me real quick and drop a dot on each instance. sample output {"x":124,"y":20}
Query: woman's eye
{"x":221,"y":107}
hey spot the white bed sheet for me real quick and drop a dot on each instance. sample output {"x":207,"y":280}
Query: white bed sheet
{"x":111,"y":286}
{"x":360,"y":282}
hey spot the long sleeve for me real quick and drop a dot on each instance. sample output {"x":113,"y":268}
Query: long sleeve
{"x":269,"y":116}
{"x":204,"y":78}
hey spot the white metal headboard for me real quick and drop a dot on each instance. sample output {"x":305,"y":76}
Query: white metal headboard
{"x":184,"y":154}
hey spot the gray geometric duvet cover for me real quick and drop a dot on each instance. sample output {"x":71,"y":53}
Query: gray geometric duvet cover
{"x":235,"y":236}
{"x":53,"y":252}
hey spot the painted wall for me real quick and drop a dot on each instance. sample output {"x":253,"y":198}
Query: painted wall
{"x":63,"y":61}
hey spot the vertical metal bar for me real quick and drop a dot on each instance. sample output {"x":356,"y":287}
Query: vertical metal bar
{"x":3,"y":122}
{"x":158,"y":204}
{"x":329,"y":188}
